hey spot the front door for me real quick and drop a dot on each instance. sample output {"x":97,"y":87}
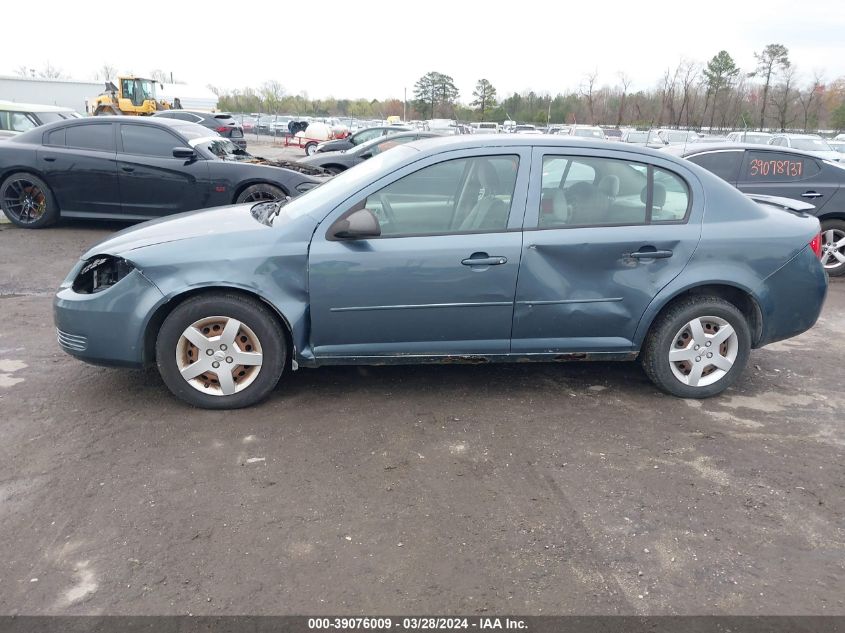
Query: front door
{"x":604,"y":233}
{"x":152,"y":182}
{"x":440,"y":280}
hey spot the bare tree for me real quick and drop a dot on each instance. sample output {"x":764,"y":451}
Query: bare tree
{"x":811,"y":98}
{"x":783,"y":98}
{"x":106,"y":72}
{"x":667,"y":94}
{"x":50,"y":72}
{"x":587,"y":91}
{"x":690,"y":75}
{"x":625,"y":81}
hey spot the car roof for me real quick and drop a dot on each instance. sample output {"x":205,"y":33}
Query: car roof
{"x":791,"y":135}
{"x":35,"y":135}
{"x":31,"y":107}
{"x":516,"y":141}
{"x":721,"y":147}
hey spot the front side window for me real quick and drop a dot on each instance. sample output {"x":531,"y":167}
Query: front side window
{"x":463,"y":195}
{"x":586,"y":191}
{"x":92,"y":136}
{"x":145,"y":140}
{"x":778,"y":167}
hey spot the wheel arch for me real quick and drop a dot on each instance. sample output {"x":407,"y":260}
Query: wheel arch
{"x":155,"y":322}
{"x":742,"y":298}
{"x":832,"y":215}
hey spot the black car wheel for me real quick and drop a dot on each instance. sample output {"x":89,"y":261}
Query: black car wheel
{"x":27,"y":201}
{"x":261,"y":192}
{"x":221,"y":351}
{"x":833,"y":247}
{"x":697,"y":348}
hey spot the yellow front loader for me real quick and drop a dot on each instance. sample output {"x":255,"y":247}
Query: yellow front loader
{"x":132,"y":95}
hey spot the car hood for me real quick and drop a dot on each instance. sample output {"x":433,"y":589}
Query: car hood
{"x":205,"y":222}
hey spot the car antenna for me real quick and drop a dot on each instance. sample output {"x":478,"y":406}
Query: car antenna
{"x":744,"y":127}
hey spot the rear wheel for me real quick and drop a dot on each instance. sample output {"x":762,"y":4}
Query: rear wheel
{"x":221,"y":351}
{"x":261,"y":192}
{"x":27,"y":201}
{"x":697,"y":348}
{"x":310,"y":149}
{"x":833,"y":247}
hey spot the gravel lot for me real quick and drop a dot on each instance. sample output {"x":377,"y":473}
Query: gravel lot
{"x":529,"y":489}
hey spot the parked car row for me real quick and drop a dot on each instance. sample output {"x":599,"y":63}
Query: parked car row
{"x":134,"y":168}
{"x":447,"y":250}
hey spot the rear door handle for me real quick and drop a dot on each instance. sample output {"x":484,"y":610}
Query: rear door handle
{"x":651,"y":254}
{"x":482,"y":259}
{"x":127,"y":169}
{"x":811,"y":194}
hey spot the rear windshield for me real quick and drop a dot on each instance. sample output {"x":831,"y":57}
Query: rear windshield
{"x":222,"y":116}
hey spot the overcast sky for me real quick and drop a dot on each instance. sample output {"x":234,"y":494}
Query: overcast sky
{"x":371,"y":49}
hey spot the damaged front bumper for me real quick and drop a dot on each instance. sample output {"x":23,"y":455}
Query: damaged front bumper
{"x":107,"y":327}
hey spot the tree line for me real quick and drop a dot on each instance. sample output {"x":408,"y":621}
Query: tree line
{"x":716,"y":95}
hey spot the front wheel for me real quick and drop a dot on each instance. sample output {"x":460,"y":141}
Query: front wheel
{"x":261,"y":192}
{"x":310,"y":149}
{"x":221,"y":351}
{"x":697,"y":348}
{"x":833,"y":247}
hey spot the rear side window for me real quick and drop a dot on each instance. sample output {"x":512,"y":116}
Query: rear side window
{"x":145,"y":140}
{"x":724,"y":164}
{"x":580,"y":191}
{"x":91,"y":136}
{"x":56,"y":137}
{"x":778,"y":167}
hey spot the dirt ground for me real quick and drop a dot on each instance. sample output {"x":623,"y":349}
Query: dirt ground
{"x":529,"y":489}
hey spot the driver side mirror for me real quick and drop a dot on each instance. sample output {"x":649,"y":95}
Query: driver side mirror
{"x":184,"y":152}
{"x":358,"y":225}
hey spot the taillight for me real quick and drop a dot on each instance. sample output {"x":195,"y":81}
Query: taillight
{"x":221,"y":128}
{"x":816,"y":245}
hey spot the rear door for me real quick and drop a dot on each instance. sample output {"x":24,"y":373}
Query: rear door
{"x":789,"y":175}
{"x":79,"y":163}
{"x":604,"y":233}
{"x":152,"y":182}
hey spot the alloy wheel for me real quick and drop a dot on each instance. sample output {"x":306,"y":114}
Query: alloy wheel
{"x":219,"y":355}
{"x":833,"y":248}
{"x":260,"y":196}
{"x":25,"y":201}
{"x":703,"y":351}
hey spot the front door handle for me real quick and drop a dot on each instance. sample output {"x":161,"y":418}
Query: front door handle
{"x":127,"y":169}
{"x":483,"y":259}
{"x":50,"y":158}
{"x":651,"y":253}
{"x":811,"y":194}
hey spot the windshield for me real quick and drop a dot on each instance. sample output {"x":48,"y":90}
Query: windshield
{"x":812,"y":144}
{"x":219,"y":146}
{"x":52,"y":117}
{"x":192,"y":131}
{"x":347,"y":181}
{"x":680,"y":137}
{"x":587,"y":132}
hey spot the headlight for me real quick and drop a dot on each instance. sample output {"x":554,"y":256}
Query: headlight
{"x":101,"y":272}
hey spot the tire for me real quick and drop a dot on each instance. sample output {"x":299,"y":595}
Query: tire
{"x":262,"y":192}
{"x":310,"y":149}
{"x":27,"y":201}
{"x":250,"y":348}
{"x":833,"y":256}
{"x":693,"y":374}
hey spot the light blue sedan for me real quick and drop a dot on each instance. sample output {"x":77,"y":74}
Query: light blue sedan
{"x":501,"y":248}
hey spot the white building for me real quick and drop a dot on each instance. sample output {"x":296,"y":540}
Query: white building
{"x":70,"y":93}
